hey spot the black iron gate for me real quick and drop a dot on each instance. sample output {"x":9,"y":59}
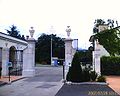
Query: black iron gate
{"x":17,"y":63}
{"x":0,"y":57}
{"x":0,"y":62}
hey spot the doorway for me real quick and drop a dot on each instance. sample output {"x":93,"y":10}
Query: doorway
{"x":16,"y":58}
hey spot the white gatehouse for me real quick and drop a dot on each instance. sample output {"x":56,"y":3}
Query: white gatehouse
{"x":20,"y":53}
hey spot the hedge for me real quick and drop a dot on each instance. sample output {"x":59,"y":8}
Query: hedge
{"x":110,"y":65}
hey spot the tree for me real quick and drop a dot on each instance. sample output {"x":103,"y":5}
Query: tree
{"x":14,"y":32}
{"x":43,"y":48}
{"x":110,"y":23}
{"x":97,"y":23}
{"x":110,"y":39}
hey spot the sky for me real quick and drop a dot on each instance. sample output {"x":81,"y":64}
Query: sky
{"x":42,"y":14}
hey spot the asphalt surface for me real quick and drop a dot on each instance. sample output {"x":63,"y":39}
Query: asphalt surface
{"x":86,"y":90}
{"x":47,"y":82}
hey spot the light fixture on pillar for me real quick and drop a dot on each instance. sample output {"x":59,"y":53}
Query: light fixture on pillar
{"x":32,"y":31}
{"x":6,"y":43}
{"x":68,"y":30}
{"x":97,"y":42}
{"x":27,"y":37}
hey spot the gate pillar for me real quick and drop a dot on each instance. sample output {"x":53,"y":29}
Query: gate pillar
{"x":68,"y":51}
{"x":5,"y":60}
{"x":29,"y":58}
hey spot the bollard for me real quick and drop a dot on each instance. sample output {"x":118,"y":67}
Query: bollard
{"x":9,"y":73}
{"x":63,"y":72}
{"x":0,"y":71}
{"x":9,"y":68}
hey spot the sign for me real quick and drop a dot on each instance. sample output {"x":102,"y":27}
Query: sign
{"x":9,"y":64}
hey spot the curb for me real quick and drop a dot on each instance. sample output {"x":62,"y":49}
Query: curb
{"x":90,"y":83}
{"x":4,"y":83}
{"x":18,"y":79}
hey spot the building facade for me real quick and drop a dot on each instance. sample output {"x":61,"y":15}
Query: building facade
{"x":12,"y":53}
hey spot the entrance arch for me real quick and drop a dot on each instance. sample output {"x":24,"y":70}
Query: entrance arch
{"x":12,"y":53}
{"x":16,"y":58}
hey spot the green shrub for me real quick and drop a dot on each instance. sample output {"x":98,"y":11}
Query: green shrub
{"x":101,"y":79}
{"x":93,"y":75}
{"x":75,"y":71}
{"x":86,"y":75}
{"x":110,"y":65}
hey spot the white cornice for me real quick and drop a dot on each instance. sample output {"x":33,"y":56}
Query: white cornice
{"x":6,"y":37}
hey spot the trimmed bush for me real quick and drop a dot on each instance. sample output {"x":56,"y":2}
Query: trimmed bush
{"x":93,"y":75}
{"x":86,"y":75}
{"x":75,"y":71}
{"x":110,"y":65}
{"x":101,"y":79}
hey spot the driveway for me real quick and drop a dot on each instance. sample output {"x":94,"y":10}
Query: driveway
{"x":86,"y":90}
{"x":47,"y":82}
{"x":113,"y":89}
{"x":114,"y":83}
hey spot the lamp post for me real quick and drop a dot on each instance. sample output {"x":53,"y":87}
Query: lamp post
{"x":51,"y":49}
{"x":51,"y":52}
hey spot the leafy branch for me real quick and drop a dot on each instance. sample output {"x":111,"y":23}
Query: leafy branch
{"x":110,"y":39}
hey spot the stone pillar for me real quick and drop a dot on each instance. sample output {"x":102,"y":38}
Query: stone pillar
{"x":96,"y":52}
{"x":29,"y":56}
{"x":96,"y":55}
{"x":5,"y":60}
{"x":29,"y":59}
{"x":68,"y":54}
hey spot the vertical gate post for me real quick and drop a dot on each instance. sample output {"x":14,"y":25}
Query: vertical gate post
{"x":5,"y":60}
{"x":96,"y":58}
{"x":68,"y":55}
{"x":68,"y":51}
{"x":29,"y":58}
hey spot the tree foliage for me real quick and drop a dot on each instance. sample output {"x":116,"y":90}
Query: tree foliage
{"x":43,"y":48}
{"x":15,"y":33}
{"x":109,"y":22}
{"x":110,"y":39}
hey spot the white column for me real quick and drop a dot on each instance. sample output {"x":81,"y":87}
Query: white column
{"x":68,"y":54}
{"x":29,"y":59}
{"x":5,"y":60}
{"x":96,"y":54}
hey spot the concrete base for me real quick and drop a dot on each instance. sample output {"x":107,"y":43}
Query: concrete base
{"x":28,"y":73}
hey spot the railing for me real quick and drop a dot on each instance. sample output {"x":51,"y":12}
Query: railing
{"x":16,"y":68}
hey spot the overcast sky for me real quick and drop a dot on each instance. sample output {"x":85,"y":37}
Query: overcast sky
{"x":42,"y":14}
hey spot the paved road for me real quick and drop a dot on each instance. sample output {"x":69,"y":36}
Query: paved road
{"x":86,"y":90}
{"x":47,"y":82}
